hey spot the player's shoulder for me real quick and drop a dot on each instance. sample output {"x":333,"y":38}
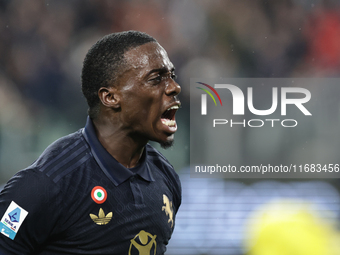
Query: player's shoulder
{"x":62,"y":145}
{"x":160,"y":161}
{"x":62,"y":156}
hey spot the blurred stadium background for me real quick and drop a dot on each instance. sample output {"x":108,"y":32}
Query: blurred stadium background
{"x":42,"y":46}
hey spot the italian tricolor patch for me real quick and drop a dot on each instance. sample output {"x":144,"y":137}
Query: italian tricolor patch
{"x":99,"y":194}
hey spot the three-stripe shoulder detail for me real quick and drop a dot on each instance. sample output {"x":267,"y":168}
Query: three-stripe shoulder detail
{"x":71,"y":157}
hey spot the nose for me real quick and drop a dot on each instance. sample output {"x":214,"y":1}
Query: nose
{"x":172,"y":88}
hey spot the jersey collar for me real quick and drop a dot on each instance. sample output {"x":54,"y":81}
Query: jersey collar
{"x":115,"y":171}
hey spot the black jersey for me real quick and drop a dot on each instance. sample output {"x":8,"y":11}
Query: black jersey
{"x":77,"y":199}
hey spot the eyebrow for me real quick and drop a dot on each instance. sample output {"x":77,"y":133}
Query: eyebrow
{"x":160,"y":70}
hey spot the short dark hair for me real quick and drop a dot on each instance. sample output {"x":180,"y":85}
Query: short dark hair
{"x":103,"y":63}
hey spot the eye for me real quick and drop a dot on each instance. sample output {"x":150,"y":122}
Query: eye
{"x":162,"y":76}
{"x":173,"y":76}
{"x":156,"y":80}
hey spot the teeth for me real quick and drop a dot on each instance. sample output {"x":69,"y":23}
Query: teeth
{"x":169,"y":123}
{"x":173,"y":107}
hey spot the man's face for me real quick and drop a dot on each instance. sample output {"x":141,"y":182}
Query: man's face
{"x":148,"y":94}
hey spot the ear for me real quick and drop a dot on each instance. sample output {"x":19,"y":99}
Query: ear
{"x":109,"y":97}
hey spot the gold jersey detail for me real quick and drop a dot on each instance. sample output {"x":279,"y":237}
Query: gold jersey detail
{"x":143,"y":242}
{"x":101,"y":219}
{"x":169,"y":211}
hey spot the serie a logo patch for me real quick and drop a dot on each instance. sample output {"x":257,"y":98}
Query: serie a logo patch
{"x":12,"y":220}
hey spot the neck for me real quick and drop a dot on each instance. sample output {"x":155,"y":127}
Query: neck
{"x":122,"y":146}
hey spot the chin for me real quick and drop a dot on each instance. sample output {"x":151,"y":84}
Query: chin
{"x":168,"y":143}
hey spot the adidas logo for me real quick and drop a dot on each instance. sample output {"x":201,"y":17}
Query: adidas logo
{"x":101,"y":219}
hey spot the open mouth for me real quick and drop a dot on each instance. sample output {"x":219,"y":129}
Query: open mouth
{"x":168,"y":117}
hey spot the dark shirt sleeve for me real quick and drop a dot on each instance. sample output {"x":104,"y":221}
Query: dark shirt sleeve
{"x":35,"y":193}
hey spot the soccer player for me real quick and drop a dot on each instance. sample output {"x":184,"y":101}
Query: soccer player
{"x":104,"y":189}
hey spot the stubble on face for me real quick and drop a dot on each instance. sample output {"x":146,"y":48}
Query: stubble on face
{"x":167,"y":144}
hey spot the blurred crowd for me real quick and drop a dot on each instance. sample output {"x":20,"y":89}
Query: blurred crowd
{"x":43,"y":43}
